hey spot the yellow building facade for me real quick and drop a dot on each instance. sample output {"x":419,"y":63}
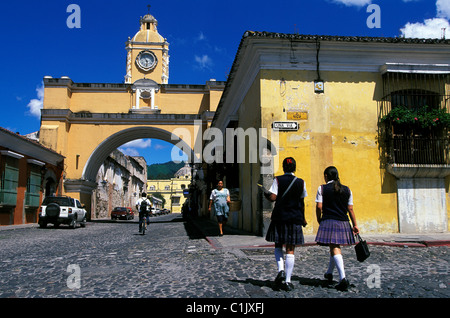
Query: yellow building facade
{"x":174,"y":190}
{"x":322,"y":100}
{"x":85,"y":122}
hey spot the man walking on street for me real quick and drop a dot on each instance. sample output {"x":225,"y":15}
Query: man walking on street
{"x":143,"y":205}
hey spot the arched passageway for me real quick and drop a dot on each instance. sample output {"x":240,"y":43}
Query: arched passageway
{"x":83,"y":187}
{"x":116,"y":140}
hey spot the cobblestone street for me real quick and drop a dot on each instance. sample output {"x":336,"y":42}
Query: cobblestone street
{"x":175,"y":260}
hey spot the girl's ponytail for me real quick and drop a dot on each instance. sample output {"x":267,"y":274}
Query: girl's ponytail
{"x":332,"y":174}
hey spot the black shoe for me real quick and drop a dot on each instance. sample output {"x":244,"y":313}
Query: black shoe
{"x":343,"y":285}
{"x":288,"y":286}
{"x":281,"y":277}
{"x":329,"y":277}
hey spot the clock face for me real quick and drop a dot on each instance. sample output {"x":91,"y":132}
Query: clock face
{"x":146,"y":60}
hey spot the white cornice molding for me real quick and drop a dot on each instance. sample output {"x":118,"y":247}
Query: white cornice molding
{"x":79,"y":185}
{"x":415,"y":68}
{"x":146,"y":44}
{"x":68,"y":116}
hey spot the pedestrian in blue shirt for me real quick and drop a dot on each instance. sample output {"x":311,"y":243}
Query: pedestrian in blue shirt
{"x":288,"y":217}
{"x":333,"y":201}
{"x":220,"y":198}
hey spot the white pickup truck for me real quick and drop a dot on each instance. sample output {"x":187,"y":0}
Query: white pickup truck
{"x":62,"y":210}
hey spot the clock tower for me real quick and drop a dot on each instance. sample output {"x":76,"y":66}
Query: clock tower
{"x":147,"y":54}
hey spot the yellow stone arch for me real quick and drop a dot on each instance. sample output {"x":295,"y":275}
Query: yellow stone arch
{"x":86,"y":140}
{"x":85,"y":122}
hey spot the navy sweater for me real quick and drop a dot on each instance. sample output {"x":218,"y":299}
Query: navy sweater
{"x":335,"y":205}
{"x":290,"y":208}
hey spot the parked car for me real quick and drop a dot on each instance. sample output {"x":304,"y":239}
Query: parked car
{"x":122,"y":213}
{"x":155,"y":211}
{"x":62,"y":210}
{"x":165,"y":211}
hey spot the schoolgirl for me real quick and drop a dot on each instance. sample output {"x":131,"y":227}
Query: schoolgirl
{"x":333,"y":202}
{"x":288,"y":217}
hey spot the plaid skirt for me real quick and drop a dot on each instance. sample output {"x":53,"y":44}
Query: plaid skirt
{"x":285,"y":233}
{"x":335,"y":232}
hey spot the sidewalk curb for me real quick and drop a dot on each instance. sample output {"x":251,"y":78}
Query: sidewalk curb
{"x":17,"y":226}
{"x":413,"y":244}
{"x":205,"y":226}
{"x":397,"y":244}
{"x":212,"y":242}
{"x":437,"y":243}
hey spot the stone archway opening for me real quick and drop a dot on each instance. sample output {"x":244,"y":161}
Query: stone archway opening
{"x":85,"y":186}
{"x":122,"y":137}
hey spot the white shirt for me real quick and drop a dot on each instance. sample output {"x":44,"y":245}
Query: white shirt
{"x":138,"y":203}
{"x":319,"y":197}
{"x":274,"y":187}
{"x":213,"y":195}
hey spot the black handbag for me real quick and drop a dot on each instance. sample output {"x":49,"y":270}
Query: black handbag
{"x":362,"y":250}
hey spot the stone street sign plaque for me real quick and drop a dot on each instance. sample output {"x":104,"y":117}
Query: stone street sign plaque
{"x":285,"y":125}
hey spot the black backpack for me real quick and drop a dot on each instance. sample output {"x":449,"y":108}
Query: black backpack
{"x":143,"y":208}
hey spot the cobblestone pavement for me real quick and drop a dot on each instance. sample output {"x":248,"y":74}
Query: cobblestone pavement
{"x":175,"y":260}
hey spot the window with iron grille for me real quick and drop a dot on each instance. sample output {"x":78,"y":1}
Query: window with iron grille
{"x":415,"y":118}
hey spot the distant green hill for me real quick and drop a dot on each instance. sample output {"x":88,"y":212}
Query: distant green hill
{"x":163,"y":170}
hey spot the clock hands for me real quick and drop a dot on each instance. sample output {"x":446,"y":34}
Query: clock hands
{"x":146,"y":60}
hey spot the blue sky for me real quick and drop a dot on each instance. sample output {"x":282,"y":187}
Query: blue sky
{"x":203,"y":37}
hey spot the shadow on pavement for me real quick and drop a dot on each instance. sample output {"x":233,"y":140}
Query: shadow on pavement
{"x":315,"y":282}
{"x":192,"y":231}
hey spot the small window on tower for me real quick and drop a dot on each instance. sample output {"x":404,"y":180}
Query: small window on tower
{"x":148,"y":26}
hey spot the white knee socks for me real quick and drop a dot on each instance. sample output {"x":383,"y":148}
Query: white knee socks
{"x":279,"y":258}
{"x":290,"y":260}
{"x":339,"y":261}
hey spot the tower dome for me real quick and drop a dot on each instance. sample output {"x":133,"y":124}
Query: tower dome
{"x":148,"y":31}
{"x":148,"y":18}
{"x":184,"y":172}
